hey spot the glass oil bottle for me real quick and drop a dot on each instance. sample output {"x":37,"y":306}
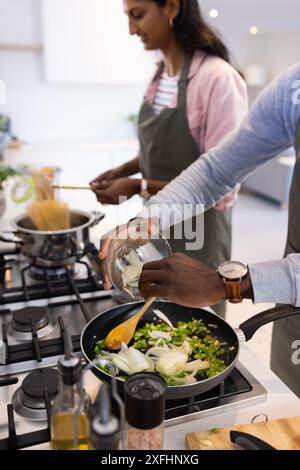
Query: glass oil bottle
{"x":71,"y":408}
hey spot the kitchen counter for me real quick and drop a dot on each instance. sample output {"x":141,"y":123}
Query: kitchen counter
{"x":82,"y":161}
{"x":280,"y":403}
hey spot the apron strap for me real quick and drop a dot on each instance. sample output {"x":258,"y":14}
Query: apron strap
{"x":298,"y":136}
{"x":183,"y":81}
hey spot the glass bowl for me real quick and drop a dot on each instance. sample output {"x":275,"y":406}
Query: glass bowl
{"x":126,"y":258}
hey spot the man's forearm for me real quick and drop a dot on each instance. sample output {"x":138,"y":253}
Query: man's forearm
{"x":277,"y":281}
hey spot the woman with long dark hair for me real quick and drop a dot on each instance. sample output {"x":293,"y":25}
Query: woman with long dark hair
{"x":195,"y":99}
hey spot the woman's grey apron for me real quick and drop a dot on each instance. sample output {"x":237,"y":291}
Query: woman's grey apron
{"x":167,"y":147}
{"x":285,"y":355}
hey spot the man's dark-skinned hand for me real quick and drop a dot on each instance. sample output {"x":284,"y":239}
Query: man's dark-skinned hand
{"x":183,"y":280}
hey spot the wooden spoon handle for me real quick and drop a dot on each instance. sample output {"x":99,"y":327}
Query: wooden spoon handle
{"x":71,"y":187}
{"x":145,"y":308}
{"x":125,"y":331}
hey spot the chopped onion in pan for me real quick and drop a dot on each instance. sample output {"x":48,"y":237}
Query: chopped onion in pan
{"x":131,"y":361}
{"x":163,"y":317}
{"x":172,"y":363}
{"x":160,"y":334}
{"x":198,"y":365}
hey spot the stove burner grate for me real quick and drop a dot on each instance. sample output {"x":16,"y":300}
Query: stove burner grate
{"x":29,"y":400}
{"x":54,"y":274}
{"x":22,"y":318}
{"x":25,"y":319}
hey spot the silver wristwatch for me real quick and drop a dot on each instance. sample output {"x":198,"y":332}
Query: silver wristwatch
{"x":144,"y":193}
{"x":232,"y":274}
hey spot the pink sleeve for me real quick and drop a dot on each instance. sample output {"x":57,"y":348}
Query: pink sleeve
{"x":227,"y":105}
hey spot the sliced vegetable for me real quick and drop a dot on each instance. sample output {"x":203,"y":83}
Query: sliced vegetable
{"x":134,"y":260}
{"x":160,"y":334}
{"x":132,"y":272}
{"x":163,"y":317}
{"x":130,"y":275}
{"x":139,"y":362}
{"x":198,"y":365}
{"x":182,"y":355}
{"x":186,"y":347}
{"x":132,"y":361}
{"x":121,"y":363}
{"x":157,"y":351}
{"x":187,"y":380}
{"x":172,"y":363}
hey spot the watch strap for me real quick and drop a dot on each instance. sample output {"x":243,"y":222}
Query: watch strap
{"x":233,"y":291}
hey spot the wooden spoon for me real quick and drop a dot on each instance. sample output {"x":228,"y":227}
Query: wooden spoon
{"x":124,"y":332}
{"x":55,"y":186}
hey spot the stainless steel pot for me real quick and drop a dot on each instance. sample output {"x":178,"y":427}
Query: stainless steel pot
{"x":53,"y":248}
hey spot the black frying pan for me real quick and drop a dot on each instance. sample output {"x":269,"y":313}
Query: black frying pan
{"x":98,"y":328}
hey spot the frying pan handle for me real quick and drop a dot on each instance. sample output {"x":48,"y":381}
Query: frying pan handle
{"x":249,"y":327}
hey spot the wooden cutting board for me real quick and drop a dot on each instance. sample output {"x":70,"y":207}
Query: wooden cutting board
{"x":283,"y":434}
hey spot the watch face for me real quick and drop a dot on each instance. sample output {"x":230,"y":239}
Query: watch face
{"x":233,"y":270}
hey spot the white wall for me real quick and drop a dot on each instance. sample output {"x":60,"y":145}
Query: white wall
{"x":276,"y":51}
{"x":87,"y":41}
{"x":43,"y":111}
{"x":281,"y":50}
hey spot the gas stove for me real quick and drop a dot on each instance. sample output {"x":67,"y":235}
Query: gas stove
{"x":37,"y":305}
{"x":39,"y":311}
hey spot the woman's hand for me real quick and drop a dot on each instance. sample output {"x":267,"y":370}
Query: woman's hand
{"x":109,"y":175}
{"x":183,"y":280}
{"x":127,"y":169}
{"x":229,"y":200}
{"x":109,"y":191}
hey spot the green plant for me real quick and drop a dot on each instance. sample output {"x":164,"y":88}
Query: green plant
{"x":133,"y":118}
{"x":4,"y":123}
{"x":5,"y":173}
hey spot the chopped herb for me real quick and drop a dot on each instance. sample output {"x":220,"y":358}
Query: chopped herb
{"x":215,"y":430}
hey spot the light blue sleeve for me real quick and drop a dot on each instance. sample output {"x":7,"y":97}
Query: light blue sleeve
{"x":263,"y":135}
{"x":277,"y":281}
{"x":269,"y":129}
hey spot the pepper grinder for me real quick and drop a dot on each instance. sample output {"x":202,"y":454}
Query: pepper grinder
{"x":144,"y":410}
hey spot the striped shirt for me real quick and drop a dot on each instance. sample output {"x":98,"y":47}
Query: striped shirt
{"x":166,"y":89}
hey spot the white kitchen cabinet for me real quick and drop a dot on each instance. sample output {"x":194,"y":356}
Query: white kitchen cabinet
{"x":87,"y":41}
{"x":17,"y":23}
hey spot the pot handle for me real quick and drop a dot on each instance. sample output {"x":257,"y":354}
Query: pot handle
{"x":9,"y":237}
{"x":249,"y":327}
{"x":98,"y":216}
